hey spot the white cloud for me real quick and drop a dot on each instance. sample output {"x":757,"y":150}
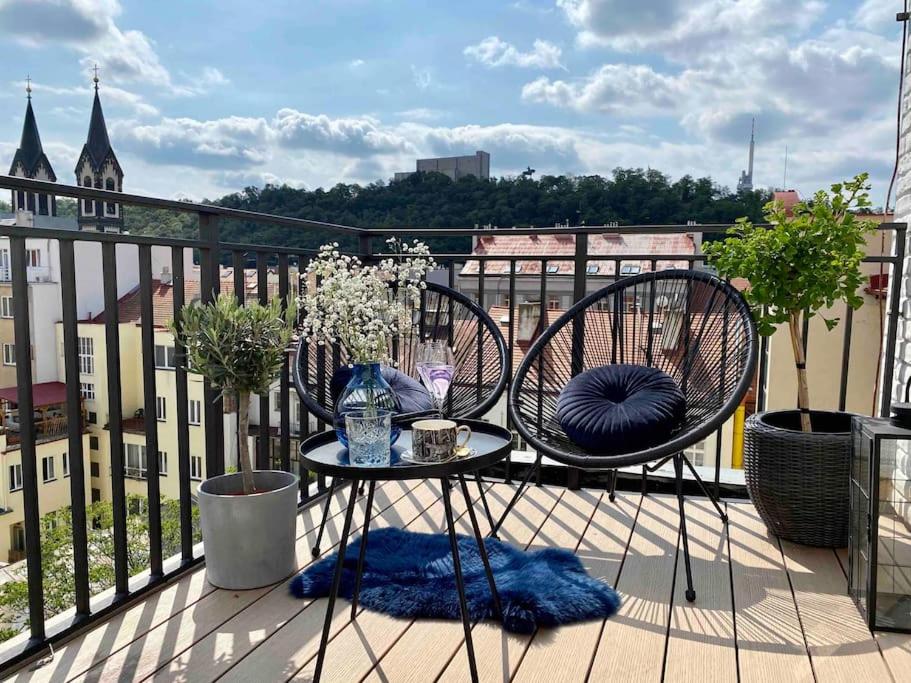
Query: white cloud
{"x":625,"y":88}
{"x":294,"y":128}
{"x":422,"y":77}
{"x":874,"y":14}
{"x":356,"y":63}
{"x":684,"y":28}
{"x":420,"y":114}
{"x":128,"y":99}
{"x":90,"y":28}
{"x":493,"y":52}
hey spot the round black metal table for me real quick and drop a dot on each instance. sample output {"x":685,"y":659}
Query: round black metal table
{"x":323,"y":454}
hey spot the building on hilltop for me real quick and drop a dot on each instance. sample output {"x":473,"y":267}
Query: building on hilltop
{"x":98,"y":167}
{"x":477,"y":164}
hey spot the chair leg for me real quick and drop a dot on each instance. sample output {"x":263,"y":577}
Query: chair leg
{"x":612,"y":486}
{"x":678,"y":471}
{"x":518,"y":494}
{"x":322,"y":524}
{"x":705,"y":491}
{"x":644,"y":480}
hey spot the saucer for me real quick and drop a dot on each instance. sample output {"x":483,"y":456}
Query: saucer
{"x":408,"y":456}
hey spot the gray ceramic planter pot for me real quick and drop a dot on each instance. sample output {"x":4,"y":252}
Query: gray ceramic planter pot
{"x":250,"y":540}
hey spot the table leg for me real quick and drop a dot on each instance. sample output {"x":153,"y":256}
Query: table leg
{"x":482,"y":549}
{"x":363,"y":551}
{"x":460,"y":583}
{"x":477,"y":476}
{"x":336,"y":582}
{"x":322,"y":524}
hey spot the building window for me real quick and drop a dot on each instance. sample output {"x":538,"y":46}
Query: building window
{"x":96,"y":495}
{"x":164,"y":357}
{"x":9,"y":354}
{"x":592,"y":269}
{"x":6,"y":307}
{"x":87,"y":391}
{"x":161,"y":408}
{"x":630,"y":269}
{"x":135,"y":463}
{"x":86,"y":355}
{"x":33,"y":258}
{"x":195,"y":417}
{"x":93,"y":417}
{"x":18,"y":537}
{"x":553,"y":269}
{"x":48,"y":472}
{"x":162,"y":463}
{"x":94,"y":469}
{"x":88,"y":205}
{"x":15,"y":477}
{"x":553,"y":302}
{"x":93,"y":443}
{"x":66,"y":464}
{"x":110,"y":208}
{"x":196,"y":467}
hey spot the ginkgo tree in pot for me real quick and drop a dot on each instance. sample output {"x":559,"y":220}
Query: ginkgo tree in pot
{"x":805,"y":263}
{"x":248,"y":518}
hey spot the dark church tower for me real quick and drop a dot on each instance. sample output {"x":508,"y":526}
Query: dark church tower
{"x":31,"y":162}
{"x":98,"y":167}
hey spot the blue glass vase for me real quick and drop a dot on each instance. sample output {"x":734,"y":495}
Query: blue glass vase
{"x":366,"y":390}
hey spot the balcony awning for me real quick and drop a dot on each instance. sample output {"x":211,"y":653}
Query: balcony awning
{"x":43,"y":394}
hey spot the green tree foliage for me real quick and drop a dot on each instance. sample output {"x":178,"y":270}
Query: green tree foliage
{"x":57,"y":555}
{"x":804,"y":263}
{"x":432,"y":200}
{"x":239,"y":349}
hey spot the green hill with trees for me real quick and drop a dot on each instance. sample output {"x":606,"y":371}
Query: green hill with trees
{"x":431,"y":200}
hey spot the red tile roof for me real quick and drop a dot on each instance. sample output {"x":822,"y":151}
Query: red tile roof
{"x":43,"y":394}
{"x":129,"y":306}
{"x":613,"y":245}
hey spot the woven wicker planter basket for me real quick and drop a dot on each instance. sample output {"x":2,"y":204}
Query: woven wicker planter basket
{"x":799,"y":481}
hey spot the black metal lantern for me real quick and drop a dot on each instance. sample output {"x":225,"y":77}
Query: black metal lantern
{"x":879,"y":536}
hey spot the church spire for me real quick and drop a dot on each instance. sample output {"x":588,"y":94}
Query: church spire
{"x":98,"y":143}
{"x":29,"y":161}
{"x":98,"y":167}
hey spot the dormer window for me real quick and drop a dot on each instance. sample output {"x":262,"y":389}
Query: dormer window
{"x":592,"y":269}
{"x":553,"y":269}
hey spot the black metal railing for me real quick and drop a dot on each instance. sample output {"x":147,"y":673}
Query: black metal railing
{"x":275,"y":268}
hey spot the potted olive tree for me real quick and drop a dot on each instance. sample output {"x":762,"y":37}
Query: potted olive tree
{"x":248,"y":518}
{"x":796,"y":461}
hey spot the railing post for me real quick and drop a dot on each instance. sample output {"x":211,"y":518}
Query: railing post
{"x":149,"y":391}
{"x":895,"y":287}
{"x":210,"y":284}
{"x":74,"y":427}
{"x":31,"y":512}
{"x":580,"y":265}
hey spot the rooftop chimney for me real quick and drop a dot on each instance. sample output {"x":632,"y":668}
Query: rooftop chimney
{"x":166,"y":275}
{"x":529,"y":321}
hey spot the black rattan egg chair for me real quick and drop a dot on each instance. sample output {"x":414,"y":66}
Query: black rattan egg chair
{"x":443,"y":315}
{"x":690,"y":324}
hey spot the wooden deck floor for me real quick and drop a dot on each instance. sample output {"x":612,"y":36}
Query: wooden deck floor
{"x":765,"y":611}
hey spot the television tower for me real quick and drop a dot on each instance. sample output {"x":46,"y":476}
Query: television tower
{"x":745,"y":184}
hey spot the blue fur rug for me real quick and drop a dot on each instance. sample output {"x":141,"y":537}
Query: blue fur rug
{"x":407,"y":574}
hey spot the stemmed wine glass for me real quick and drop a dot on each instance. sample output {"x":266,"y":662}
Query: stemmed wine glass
{"x":436,"y":366}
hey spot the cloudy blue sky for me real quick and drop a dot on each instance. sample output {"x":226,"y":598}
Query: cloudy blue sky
{"x":208,"y":96}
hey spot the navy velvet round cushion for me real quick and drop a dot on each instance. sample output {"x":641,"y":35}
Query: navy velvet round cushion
{"x":620,"y":408}
{"x":412,"y":395}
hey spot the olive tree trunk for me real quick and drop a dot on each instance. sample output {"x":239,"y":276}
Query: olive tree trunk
{"x":800,"y":362}
{"x":243,"y":431}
